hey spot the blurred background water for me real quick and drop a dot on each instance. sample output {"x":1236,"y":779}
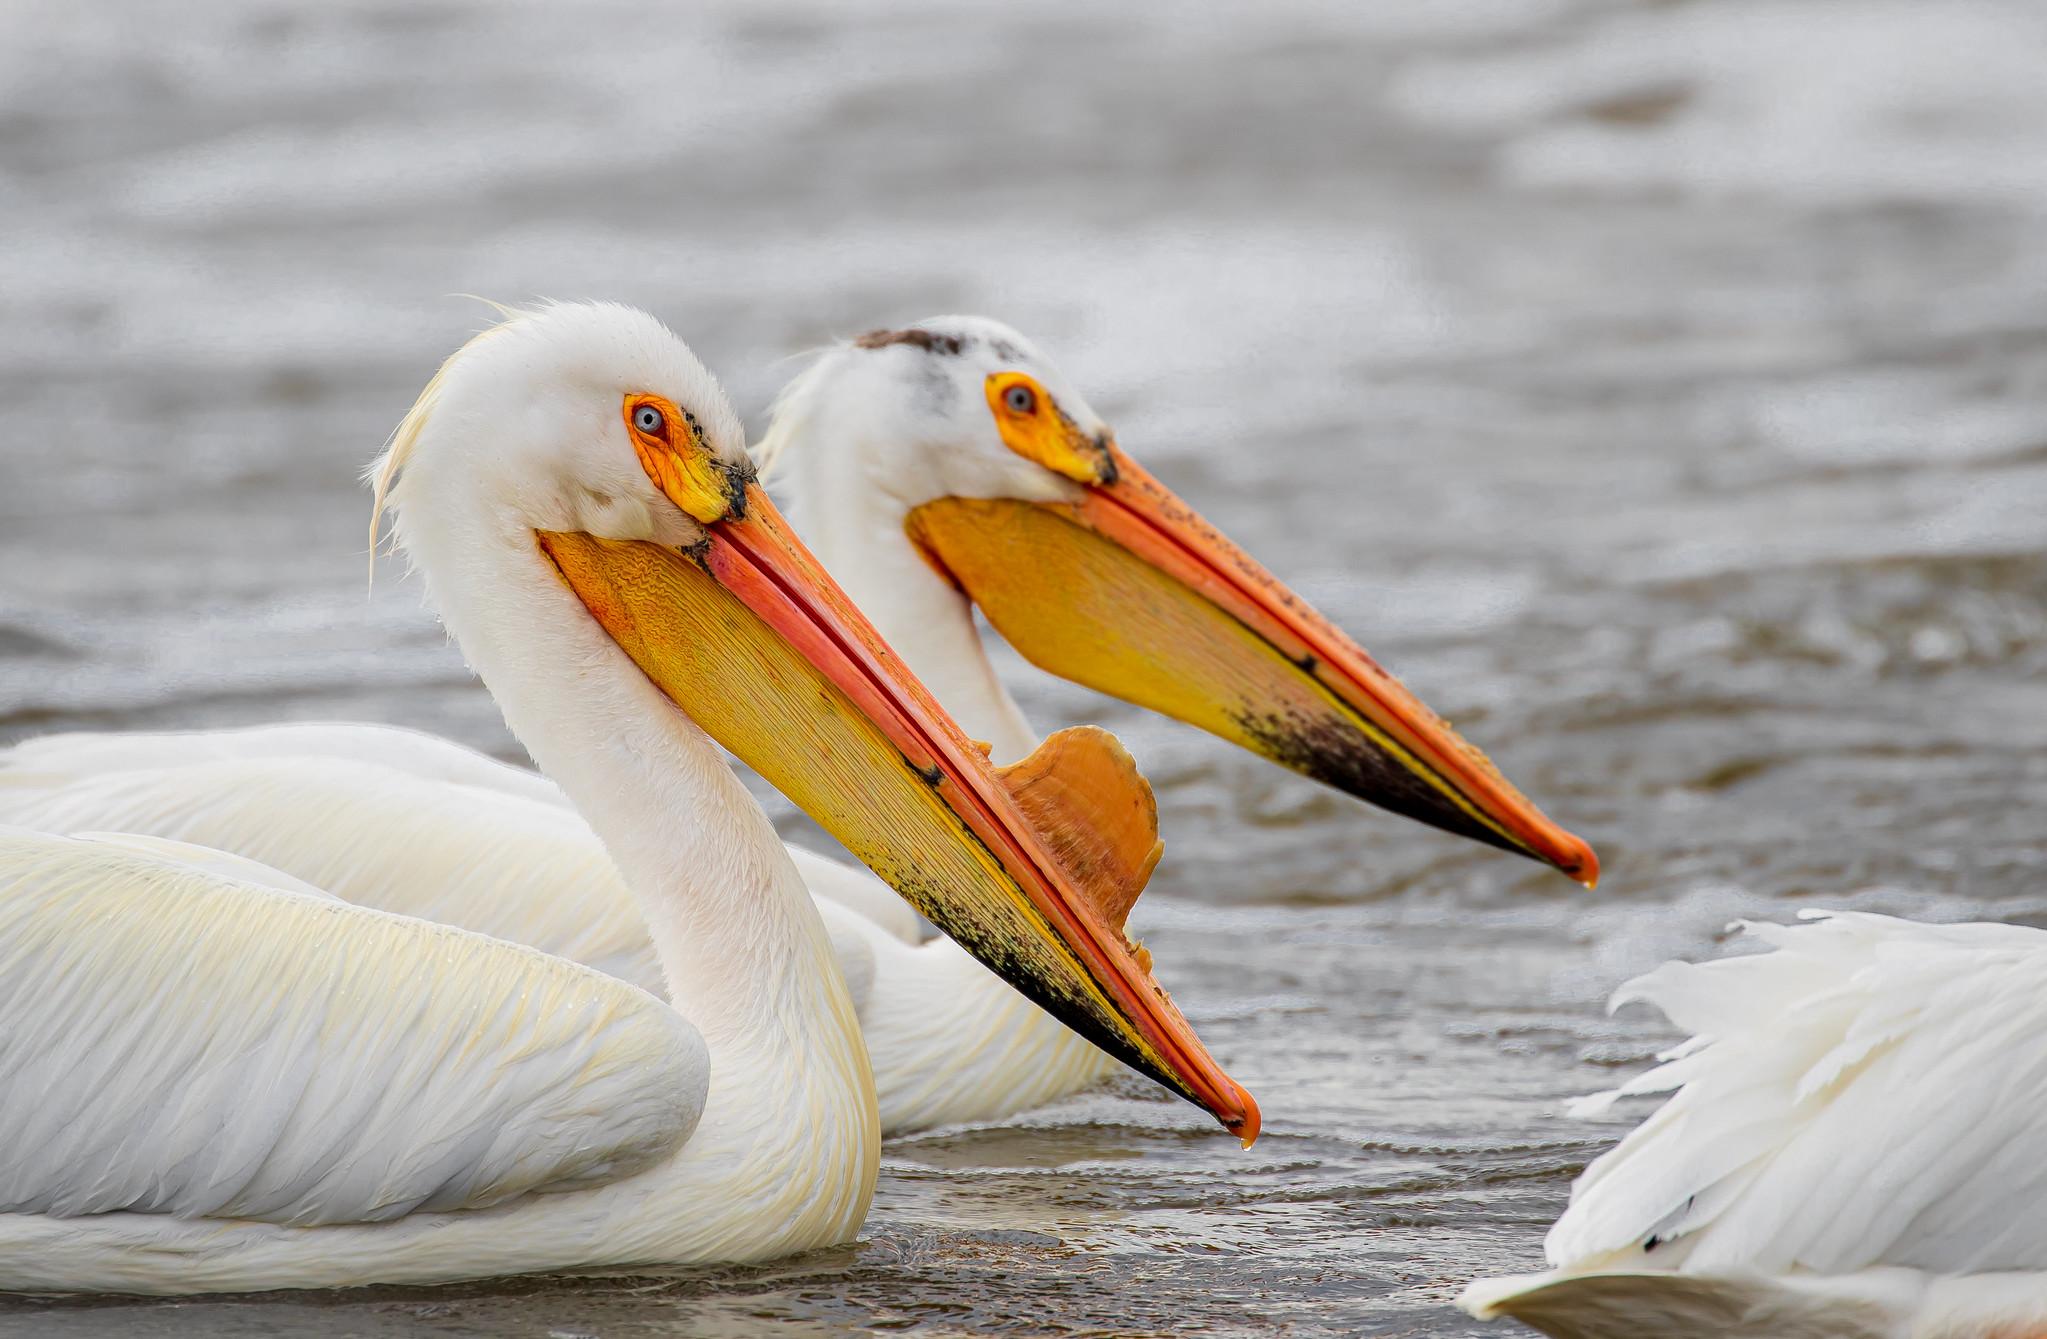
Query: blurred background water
{"x":1660,"y":388}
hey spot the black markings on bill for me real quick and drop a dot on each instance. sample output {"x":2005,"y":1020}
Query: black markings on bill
{"x":1336,"y":753}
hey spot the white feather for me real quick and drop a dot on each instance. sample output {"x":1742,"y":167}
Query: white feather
{"x":54,"y":760}
{"x":208,"y":1048}
{"x":487,"y":860}
{"x":61,"y":781}
{"x":1864,"y":1103}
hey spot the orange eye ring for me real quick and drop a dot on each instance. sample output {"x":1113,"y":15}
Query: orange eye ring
{"x":1015,"y":395}
{"x":673,"y":451}
{"x":651,"y":418}
{"x":1034,"y":426}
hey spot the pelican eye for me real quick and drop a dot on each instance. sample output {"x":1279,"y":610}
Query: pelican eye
{"x":649,"y":420}
{"x":1020,"y":400}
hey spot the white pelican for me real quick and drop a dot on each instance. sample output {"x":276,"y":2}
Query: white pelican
{"x":944,"y":462}
{"x":1855,"y":1148}
{"x":215,"y":1079}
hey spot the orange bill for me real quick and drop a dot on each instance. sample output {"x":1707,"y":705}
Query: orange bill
{"x":1127,"y":590}
{"x":747,"y":635}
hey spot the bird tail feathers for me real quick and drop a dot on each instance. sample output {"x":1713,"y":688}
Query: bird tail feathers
{"x":1634,"y":1304}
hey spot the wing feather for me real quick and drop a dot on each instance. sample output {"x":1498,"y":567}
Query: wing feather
{"x":176,"y":1041}
{"x":1870,"y":1092}
{"x":489,"y":860}
{"x":482,"y":859}
{"x":56,"y":759}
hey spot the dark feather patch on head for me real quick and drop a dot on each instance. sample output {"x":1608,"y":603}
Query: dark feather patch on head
{"x":929,"y":341}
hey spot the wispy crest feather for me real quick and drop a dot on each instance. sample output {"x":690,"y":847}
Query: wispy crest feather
{"x":383,"y":472}
{"x":790,"y":413}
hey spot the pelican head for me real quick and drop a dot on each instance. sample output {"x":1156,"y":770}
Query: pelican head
{"x":580,"y":459}
{"x":555,"y":419}
{"x":957,"y":406}
{"x":963,"y":436}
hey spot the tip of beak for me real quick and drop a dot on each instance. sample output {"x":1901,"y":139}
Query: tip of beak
{"x":1577,"y":859}
{"x":1246,"y":1125}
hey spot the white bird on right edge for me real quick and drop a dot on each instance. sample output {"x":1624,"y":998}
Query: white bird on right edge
{"x":1855,"y":1148}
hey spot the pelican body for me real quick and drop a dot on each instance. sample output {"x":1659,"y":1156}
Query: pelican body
{"x":1854,"y":1148}
{"x":217,"y":1078}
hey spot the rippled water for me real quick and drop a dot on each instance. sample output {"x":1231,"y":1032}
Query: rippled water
{"x":1658,"y":388}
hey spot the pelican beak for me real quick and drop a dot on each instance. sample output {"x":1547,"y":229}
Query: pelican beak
{"x":1127,"y":590}
{"x":761,"y":649}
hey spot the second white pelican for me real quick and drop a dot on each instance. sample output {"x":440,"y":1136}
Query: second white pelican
{"x":215,"y":1079}
{"x":1855,"y":1148}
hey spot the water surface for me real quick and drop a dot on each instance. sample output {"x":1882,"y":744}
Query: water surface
{"x":1658,"y":389}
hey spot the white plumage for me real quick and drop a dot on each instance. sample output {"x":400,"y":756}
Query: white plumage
{"x":411,"y":823}
{"x":485,"y":859}
{"x":1856,"y":1144}
{"x":299,"y":1060}
{"x":192,"y":781}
